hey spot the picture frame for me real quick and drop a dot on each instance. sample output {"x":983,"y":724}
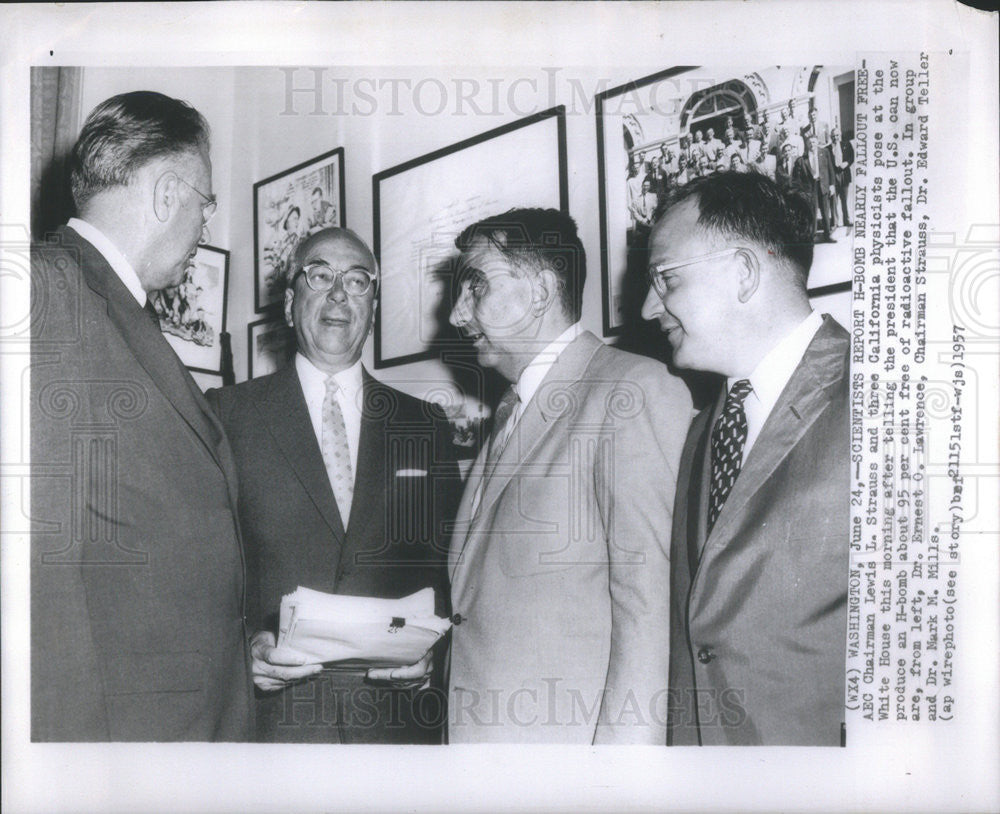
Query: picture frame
{"x":193,"y":314}
{"x":640,"y":127}
{"x":288,"y":206}
{"x":206,"y":381}
{"x":270,"y":346}
{"x":421,"y":205}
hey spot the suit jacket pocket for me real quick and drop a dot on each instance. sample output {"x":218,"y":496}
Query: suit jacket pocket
{"x":158,"y":697}
{"x":136,"y":673}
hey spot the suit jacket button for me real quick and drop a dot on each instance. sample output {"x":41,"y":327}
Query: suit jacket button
{"x":705,"y":655}
{"x":456,"y":619}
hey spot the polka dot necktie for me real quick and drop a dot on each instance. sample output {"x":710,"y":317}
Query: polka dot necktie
{"x":336,"y":454}
{"x":728,"y":438}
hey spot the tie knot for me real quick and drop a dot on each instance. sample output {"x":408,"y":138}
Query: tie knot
{"x":739,"y":391}
{"x":331,"y":385}
{"x":504,"y":409}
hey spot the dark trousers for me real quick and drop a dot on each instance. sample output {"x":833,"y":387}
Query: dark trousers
{"x":821,"y":196}
{"x":842,"y":189}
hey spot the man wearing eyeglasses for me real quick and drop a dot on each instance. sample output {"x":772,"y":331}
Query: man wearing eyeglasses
{"x":759,"y":555}
{"x":346,"y":486}
{"x":137,"y":575}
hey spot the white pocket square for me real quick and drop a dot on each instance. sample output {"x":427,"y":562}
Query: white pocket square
{"x":411,"y":473}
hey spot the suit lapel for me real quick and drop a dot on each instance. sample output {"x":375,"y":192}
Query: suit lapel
{"x":369,"y":481}
{"x":541,"y":414}
{"x":803,"y":400}
{"x":153,"y":352}
{"x":463,"y":518}
{"x":701,"y":463}
{"x":282,"y":407}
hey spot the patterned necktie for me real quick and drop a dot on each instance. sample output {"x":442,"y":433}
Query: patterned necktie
{"x":499,"y":436}
{"x":728,"y":438}
{"x":336,"y":454}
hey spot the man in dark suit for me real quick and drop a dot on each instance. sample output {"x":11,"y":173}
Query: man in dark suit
{"x":842,"y":159}
{"x":345,"y":487}
{"x":137,"y":567}
{"x":785,"y":165}
{"x":759,"y":551}
{"x":813,"y":176}
{"x":814,"y":127}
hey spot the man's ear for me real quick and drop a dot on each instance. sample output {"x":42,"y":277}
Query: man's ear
{"x":289,"y":298}
{"x":165,"y":192}
{"x":544,"y":290}
{"x":748,"y":271}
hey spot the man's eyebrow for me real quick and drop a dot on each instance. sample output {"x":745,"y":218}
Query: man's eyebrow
{"x":319,"y":261}
{"x":468,"y":270}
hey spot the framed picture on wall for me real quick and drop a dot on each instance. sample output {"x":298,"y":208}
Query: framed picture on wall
{"x":206,"y":381}
{"x":193,"y":313}
{"x":270,"y":346}
{"x":663,"y":130}
{"x":286,"y":208}
{"x":421,"y":206}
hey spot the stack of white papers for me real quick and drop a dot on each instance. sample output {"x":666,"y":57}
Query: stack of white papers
{"x":358,"y":632}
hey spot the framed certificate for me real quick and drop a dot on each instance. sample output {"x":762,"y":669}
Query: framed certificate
{"x":420,"y":207}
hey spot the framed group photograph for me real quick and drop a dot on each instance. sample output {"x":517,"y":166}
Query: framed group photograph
{"x":193,"y":314}
{"x":421,"y":206}
{"x":270,"y":346}
{"x":287,"y":207}
{"x":661,"y":131}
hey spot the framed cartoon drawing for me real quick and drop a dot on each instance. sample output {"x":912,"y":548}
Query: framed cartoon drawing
{"x":286,"y":208}
{"x":193,"y":313}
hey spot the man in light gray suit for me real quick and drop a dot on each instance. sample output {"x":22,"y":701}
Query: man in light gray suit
{"x":759,"y":556}
{"x":559,"y":560}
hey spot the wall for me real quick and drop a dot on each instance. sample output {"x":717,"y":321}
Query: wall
{"x":383,"y":118}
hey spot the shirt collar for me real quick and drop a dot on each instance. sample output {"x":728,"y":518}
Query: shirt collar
{"x":532,"y":375}
{"x":119,"y":264}
{"x":348,"y":380}
{"x":775,"y":369}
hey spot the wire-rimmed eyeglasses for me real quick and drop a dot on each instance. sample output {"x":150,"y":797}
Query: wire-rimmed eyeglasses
{"x":209,"y":205}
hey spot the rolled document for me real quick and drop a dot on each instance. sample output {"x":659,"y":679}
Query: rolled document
{"x":358,"y":632}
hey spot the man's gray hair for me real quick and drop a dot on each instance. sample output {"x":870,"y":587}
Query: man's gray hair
{"x":126,"y":132}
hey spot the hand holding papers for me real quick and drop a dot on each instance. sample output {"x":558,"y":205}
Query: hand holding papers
{"x":274,"y":669}
{"x":357,"y":633}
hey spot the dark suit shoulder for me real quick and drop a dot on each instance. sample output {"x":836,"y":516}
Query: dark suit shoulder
{"x":224,"y":399}
{"x":383,"y":401}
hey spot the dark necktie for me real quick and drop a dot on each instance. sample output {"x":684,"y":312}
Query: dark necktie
{"x":150,"y":310}
{"x":728,"y":438}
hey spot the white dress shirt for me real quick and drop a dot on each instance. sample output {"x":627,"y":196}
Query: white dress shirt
{"x":771,"y":375}
{"x":110,"y":252}
{"x":531,"y":377}
{"x":349,"y":397}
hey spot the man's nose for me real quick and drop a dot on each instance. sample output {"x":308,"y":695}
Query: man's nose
{"x":459,"y":315}
{"x":337,"y":291}
{"x":652,"y":306}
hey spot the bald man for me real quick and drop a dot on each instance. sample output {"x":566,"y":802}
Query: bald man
{"x":345,"y":487}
